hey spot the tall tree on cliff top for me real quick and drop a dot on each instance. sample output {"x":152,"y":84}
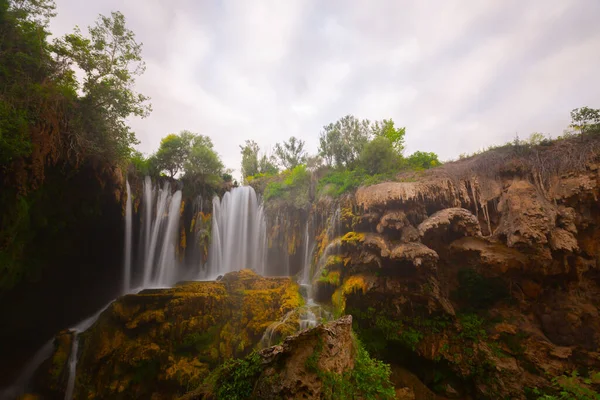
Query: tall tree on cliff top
{"x":111,"y":60}
{"x":173,"y":152}
{"x":342,"y":142}
{"x":387,"y":129}
{"x":291,"y":153}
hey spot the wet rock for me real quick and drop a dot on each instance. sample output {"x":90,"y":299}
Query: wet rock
{"x":287,"y":368}
{"x":449,"y":224}
{"x":168,"y":340}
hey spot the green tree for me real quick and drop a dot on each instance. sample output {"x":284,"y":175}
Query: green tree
{"x":423,"y":160}
{"x":110,"y":59}
{"x":267,"y":165}
{"x":173,"y":152}
{"x":585,"y":120}
{"x":253,"y":163}
{"x":291,"y":153}
{"x":204,"y":169}
{"x":395,"y":135}
{"x":342,"y":142}
{"x":249,"y":158}
{"x":379,"y":156}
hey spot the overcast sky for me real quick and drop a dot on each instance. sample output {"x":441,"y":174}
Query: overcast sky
{"x":460,"y":75}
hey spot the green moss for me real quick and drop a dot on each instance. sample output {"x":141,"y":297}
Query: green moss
{"x":330,"y":278}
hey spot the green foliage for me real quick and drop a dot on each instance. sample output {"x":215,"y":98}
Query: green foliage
{"x":341,"y":142}
{"x":338,"y":182}
{"x":379,"y":157}
{"x":387,"y":130}
{"x":369,"y":379}
{"x":472,"y":327}
{"x":291,"y":187}
{"x":571,"y":387}
{"x":422,"y":160}
{"x":110,"y":59}
{"x":291,"y":153}
{"x":203,"y":167}
{"x":234,"y":380}
{"x":478,"y":292}
{"x":585,"y":120}
{"x":173,"y":152}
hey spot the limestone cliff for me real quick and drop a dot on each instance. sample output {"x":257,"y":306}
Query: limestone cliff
{"x":482,"y":285}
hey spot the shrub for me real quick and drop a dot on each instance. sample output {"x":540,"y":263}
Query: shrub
{"x":378,"y":156}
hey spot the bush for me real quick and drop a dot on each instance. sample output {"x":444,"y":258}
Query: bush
{"x":292,"y":186}
{"x":339,"y":182}
{"x":378,"y":156}
{"x":420,"y":160}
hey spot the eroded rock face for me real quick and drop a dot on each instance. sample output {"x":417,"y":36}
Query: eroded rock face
{"x":498,"y":287}
{"x":166,"y":341}
{"x":290,"y":370}
{"x":449,"y":224}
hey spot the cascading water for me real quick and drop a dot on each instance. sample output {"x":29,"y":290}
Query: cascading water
{"x":128,"y":233}
{"x":239,"y":233}
{"x":161,"y":230}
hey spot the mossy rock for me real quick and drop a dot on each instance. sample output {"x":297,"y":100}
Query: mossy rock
{"x":168,"y":340}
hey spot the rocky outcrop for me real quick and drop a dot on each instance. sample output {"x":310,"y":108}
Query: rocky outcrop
{"x":491,"y":282}
{"x":325,"y":362}
{"x":168,"y":340}
{"x":293,"y":369}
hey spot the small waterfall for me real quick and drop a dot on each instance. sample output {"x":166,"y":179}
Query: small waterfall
{"x":128,"y":233}
{"x":271,"y":331}
{"x":308,"y":319}
{"x":239,"y":233}
{"x":73,"y":357}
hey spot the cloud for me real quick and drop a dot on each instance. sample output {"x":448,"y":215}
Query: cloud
{"x":460,"y":75}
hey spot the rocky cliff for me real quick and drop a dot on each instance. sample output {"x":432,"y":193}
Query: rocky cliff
{"x":482,"y":285}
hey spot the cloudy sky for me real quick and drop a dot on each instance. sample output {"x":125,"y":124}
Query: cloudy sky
{"x":460,"y":75}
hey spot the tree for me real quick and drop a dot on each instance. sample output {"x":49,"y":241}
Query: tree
{"x":386,"y":129}
{"x":291,"y":153}
{"x":423,"y":160}
{"x":204,"y":170}
{"x":585,"y":119}
{"x":173,"y":152}
{"x":267,"y":165}
{"x":249,"y":158}
{"x":342,"y":142}
{"x":110,"y":60}
{"x":378,"y":156}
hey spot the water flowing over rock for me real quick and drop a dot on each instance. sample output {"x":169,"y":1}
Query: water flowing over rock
{"x":239,"y":238}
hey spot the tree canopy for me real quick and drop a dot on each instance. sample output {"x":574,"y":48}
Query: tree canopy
{"x":290,"y":153}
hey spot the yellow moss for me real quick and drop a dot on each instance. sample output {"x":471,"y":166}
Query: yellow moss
{"x":353,"y":238}
{"x":186,"y":372}
{"x":182,"y":208}
{"x":291,"y":299}
{"x":352,"y":284}
{"x":333,"y":262}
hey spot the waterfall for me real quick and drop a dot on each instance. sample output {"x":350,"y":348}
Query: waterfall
{"x":161,"y":231}
{"x":239,"y":233}
{"x":128,"y":233}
